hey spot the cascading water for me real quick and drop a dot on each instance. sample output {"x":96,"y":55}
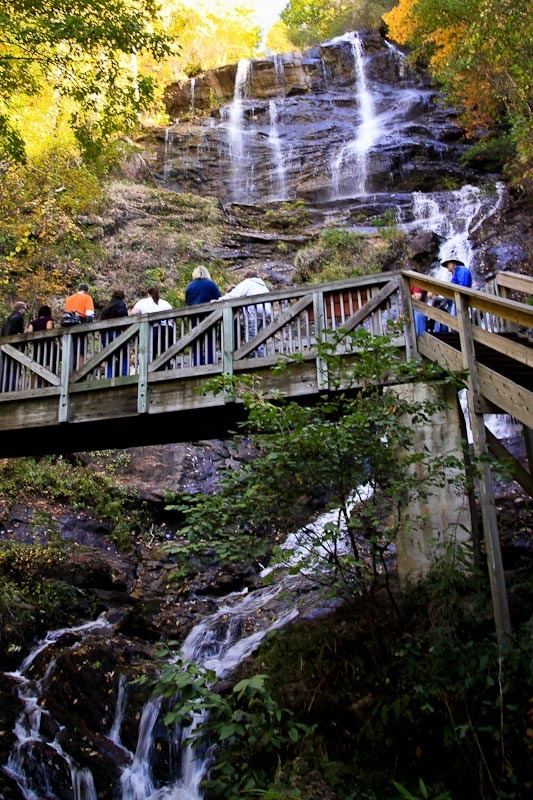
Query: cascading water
{"x":279,"y":67}
{"x":193,"y":94}
{"x":167,"y":160}
{"x":28,"y":772}
{"x":235,"y":129}
{"x":398,"y":56}
{"x":136,"y":779}
{"x":352,"y":159}
{"x":279,"y":181}
{"x":454,"y":216}
{"x":114,"y":733}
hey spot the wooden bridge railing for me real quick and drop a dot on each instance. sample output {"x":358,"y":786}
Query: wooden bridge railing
{"x":226,"y":337}
{"x":501,"y":330}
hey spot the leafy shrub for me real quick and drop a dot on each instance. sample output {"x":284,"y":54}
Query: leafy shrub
{"x":55,"y":479}
{"x":250,"y":729}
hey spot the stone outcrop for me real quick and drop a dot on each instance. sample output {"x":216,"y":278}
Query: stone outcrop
{"x":318,"y":109}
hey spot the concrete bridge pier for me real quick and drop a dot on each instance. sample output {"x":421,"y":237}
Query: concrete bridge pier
{"x":440,"y":521}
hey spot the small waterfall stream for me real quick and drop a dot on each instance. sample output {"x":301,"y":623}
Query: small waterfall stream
{"x":219,"y":643}
{"x":454,"y":216}
{"x":235,"y":130}
{"x":352,"y":158}
{"x":27,"y":770}
{"x":193,"y":94}
{"x":279,"y":181}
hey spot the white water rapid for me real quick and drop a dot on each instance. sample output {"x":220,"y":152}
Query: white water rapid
{"x":349,"y":167}
{"x":26,"y":765}
{"x":454,"y":216}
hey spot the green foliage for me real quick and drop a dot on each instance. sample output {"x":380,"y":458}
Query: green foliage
{"x":286,"y":216}
{"x":312,"y":21}
{"x":30,"y":591}
{"x":352,"y":439}
{"x":251,"y":730}
{"x":80,"y":50}
{"x":43,"y":248}
{"x":339,"y":253}
{"x":419,"y":692}
{"x":55,"y":479}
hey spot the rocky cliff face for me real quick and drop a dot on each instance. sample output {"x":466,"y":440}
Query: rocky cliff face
{"x":352,"y":129}
{"x":296,"y":121}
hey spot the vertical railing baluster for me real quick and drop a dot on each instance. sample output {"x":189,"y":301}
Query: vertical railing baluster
{"x":228,"y":343}
{"x":142,"y":370}
{"x":66,"y":366}
{"x":320,"y":325}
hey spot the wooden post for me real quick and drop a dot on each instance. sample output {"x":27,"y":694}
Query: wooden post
{"x":488,"y":506}
{"x":470,"y":482}
{"x":322,"y":378}
{"x":228,"y":345}
{"x":528,"y":439}
{"x":66,"y":364}
{"x":142,"y":387}
{"x":409,"y":330}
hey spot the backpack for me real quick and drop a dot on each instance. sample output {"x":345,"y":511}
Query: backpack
{"x":70,"y":318}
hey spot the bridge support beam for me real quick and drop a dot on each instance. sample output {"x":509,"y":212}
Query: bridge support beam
{"x":440,"y":522}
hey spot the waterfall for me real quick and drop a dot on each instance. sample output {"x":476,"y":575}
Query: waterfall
{"x":279,"y":67}
{"x":235,"y":127}
{"x":324,"y":73}
{"x":20,"y":765}
{"x":114,"y":733}
{"x":136,"y":780}
{"x":454,"y":216}
{"x":83,"y":785}
{"x":279,"y":181}
{"x":193,"y":93}
{"x":352,"y":157}
{"x":398,"y":56}
{"x":167,"y":161}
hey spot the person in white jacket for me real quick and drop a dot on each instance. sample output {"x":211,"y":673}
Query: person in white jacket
{"x":257,"y":316}
{"x":163,"y":329}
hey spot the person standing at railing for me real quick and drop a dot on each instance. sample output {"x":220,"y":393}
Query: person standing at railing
{"x":257,"y":316}
{"x":202,"y":289}
{"x":81,"y":304}
{"x":421,"y":320}
{"x":13,"y":326}
{"x":118,"y":363}
{"x":79,"y":307}
{"x":461,"y":276}
{"x":44,"y":352}
{"x":162,"y":329}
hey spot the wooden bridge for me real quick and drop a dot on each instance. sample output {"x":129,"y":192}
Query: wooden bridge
{"x":138,"y":380}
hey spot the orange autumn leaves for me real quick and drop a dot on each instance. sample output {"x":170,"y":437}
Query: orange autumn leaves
{"x":480,"y":51}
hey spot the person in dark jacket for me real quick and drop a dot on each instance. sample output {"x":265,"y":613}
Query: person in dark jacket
{"x":45,"y":351}
{"x":13,"y":326}
{"x":201,"y":290}
{"x":118,"y":364}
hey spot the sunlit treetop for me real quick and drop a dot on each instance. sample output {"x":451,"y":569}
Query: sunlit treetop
{"x":81,"y":48}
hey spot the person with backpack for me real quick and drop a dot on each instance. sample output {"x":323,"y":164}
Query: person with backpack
{"x":79,"y":307}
